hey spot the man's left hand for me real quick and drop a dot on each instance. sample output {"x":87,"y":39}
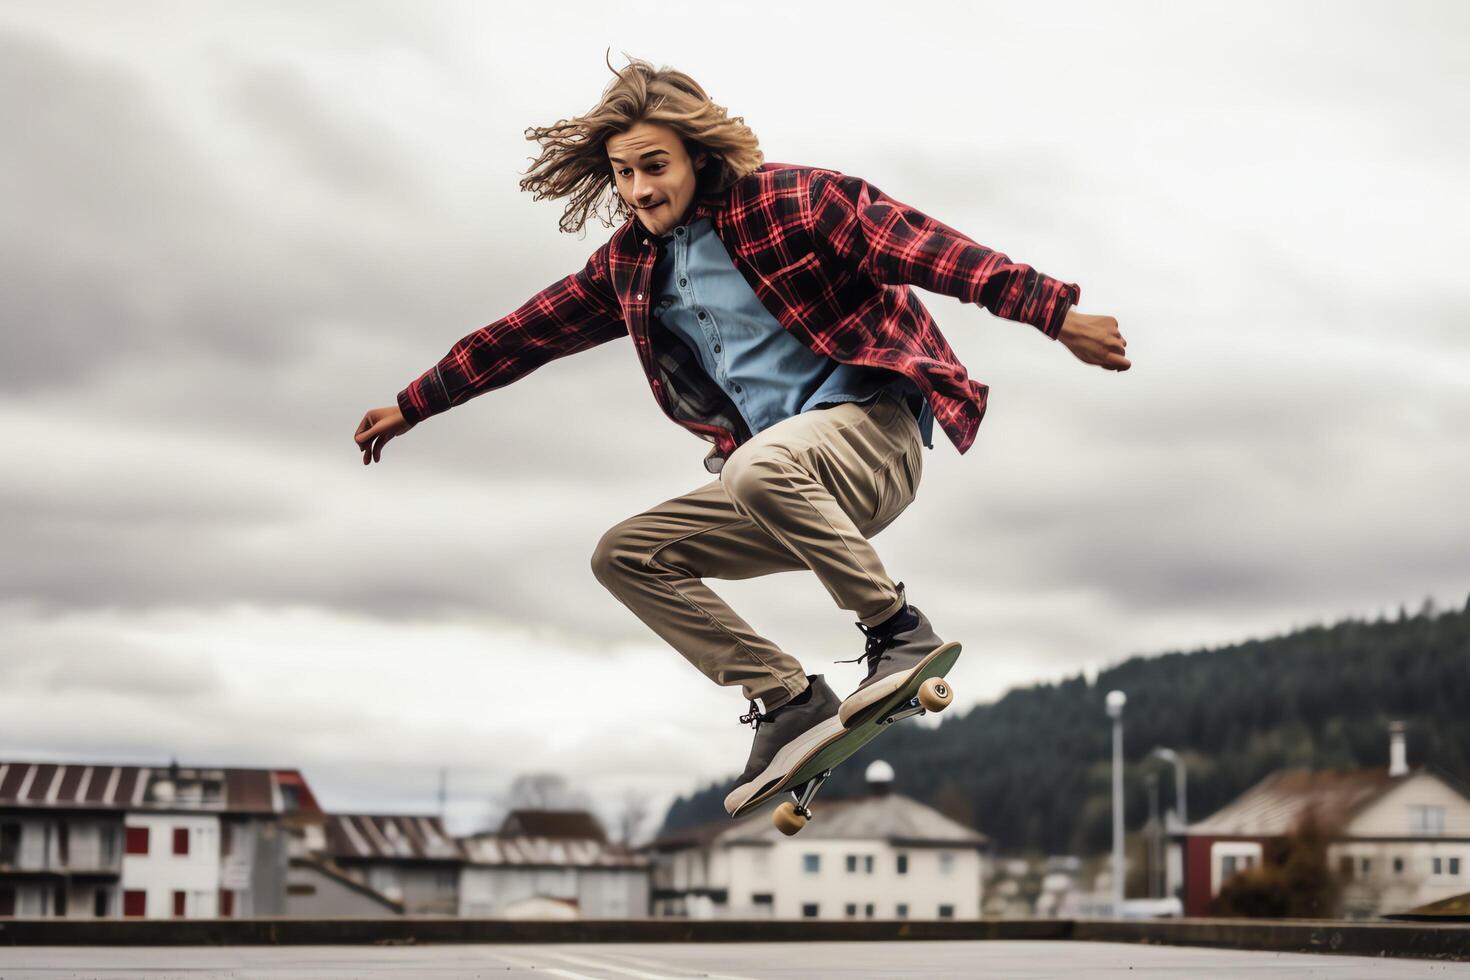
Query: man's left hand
{"x":1095,"y":339}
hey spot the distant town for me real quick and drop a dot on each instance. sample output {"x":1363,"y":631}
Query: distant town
{"x":86,"y":839}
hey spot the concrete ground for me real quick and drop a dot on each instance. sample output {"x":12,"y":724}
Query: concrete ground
{"x":715,"y":961}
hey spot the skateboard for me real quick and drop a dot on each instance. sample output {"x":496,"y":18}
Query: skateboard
{"x":926,"y":690}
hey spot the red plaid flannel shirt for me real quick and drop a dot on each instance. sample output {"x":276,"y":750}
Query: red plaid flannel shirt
{"x":829,"y":255}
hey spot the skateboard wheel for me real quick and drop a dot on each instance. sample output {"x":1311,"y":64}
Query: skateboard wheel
{"x":787,"y":820}
{"x":935,"y":694}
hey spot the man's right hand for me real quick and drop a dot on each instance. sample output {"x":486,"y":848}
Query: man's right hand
{"x":1095,"y":340}
{"x":376,"y":428}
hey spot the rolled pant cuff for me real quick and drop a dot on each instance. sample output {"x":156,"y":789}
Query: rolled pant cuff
{"x":772,"y":698}
{"x":885,"y":614}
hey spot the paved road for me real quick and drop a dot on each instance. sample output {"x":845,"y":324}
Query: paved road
{"x":743,"y":961}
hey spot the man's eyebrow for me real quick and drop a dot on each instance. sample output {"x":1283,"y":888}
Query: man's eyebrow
{"x":643,"y":157}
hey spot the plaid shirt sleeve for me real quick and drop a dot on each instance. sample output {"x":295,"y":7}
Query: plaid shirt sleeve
{"x":571,"y":315}
{"x":894,"y":244}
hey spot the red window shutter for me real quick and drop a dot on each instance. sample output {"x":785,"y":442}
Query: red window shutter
{"x":135,"y":902}
{"x":179,"y":904}
{"x":226,"y":903}
{"x":181,"y":840}
{"x":137,"y":840}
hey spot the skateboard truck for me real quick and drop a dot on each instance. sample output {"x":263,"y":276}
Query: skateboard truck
{"x":795,"y":815}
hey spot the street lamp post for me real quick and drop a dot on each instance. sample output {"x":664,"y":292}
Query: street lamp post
{"x":1172,"y":757}
{"x":1115,"y":702}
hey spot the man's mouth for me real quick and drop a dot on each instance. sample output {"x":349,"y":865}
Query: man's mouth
{"x":650,"y":207}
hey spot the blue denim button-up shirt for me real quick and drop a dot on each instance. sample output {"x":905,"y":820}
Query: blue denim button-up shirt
{"x":768,"y":373}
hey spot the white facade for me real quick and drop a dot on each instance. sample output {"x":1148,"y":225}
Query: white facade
{"x":1408,"y":848}
{"x":884,"y":857}
{"x":173,"y":885}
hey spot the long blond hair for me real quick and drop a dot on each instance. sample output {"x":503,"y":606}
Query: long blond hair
{"x":573,"y":161}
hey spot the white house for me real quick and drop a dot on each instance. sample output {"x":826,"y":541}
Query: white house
{"x":1400,"y":836}
{"x":880,"y":856}
{"x":92,"y":840}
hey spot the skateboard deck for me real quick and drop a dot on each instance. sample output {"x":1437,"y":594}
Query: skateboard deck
{"x":808,"y":774}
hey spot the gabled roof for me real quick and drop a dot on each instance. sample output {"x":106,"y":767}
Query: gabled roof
{"x":890,"y":817}
{"x":1274,"y":806}
{"x":389,"y":837}
{"x":499,"y":850}
{"x":89,"y":786}
{"x":555,"y":824}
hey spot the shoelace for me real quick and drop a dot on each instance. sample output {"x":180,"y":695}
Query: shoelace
{"x":754,"y":718}
{"x":877,"y":643}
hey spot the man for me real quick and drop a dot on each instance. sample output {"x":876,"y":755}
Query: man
{"x":769,"y":307}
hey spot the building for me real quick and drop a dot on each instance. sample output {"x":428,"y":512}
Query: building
{"x":552,"y":864}
{"x":1400,"y":836}
{"x":89,"y":840}
{"x":409,"y":860}
{"x":880,"y":856}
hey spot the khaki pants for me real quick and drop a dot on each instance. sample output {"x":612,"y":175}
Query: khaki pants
{"x":807,"y":492}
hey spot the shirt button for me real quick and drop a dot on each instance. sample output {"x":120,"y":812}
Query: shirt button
{"x":717,"y":348}
{"x":679,"y":232}
{"x":701,"y":312}
{"x":737,"y":389}
{"x":639,"y":297}
{"x":683,"y":282}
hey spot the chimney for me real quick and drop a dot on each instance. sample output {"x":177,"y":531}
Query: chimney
{"x":1398,"y":753}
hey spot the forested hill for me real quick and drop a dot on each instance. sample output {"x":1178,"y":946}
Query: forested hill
{"x":1032,"y":769}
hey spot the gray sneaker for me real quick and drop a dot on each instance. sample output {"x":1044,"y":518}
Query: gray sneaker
{"x":893,"y":655}
{"x":783,"y":738}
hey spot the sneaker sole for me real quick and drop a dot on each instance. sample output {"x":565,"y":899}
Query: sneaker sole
{"x":867,"y":703}
{"x":790,"y":757}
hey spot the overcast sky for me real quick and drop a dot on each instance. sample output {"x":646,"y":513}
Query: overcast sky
{"x":228,"y":229}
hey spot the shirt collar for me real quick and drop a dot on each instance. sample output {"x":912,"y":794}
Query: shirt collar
{"x":704,"y":207}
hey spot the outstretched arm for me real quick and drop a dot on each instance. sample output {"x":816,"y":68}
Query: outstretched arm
{"x":895,"y":244}
{"x":571,"y":315}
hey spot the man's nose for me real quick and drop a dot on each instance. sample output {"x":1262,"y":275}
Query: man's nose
{"x":642,"y":189}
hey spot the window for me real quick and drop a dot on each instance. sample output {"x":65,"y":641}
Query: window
{"x":851,"y":909}
{"x":868,"y":910}
{"x":1426,"y":820}
{"x":1345,"y":865}
{"x":762,"y":898}
{"x":99,"y":903}
{"x":1437,"y":866}
{"x":290,"y":797}
{"x":137,"y":840}
{"x":226,"y":840}
{"x":811,"y":863}
{"x":107,"y":846}
{"x":135,"y":902}
{"x":181,"y":841}
{"x":181,"y":901}
{"x":226,"y":903}
{"x":946,"y":911}
{"x":1366,"y":866}
{"x":63,"y":843}
{"x":10,"y":844}
{"x":1398,"y":866}
{"x":946,"y":862}
{"x":7,"y":902}
{"x":1454,"y":866}
{"x":903,"y":864}
{"x":444,"y":881}
{"x":901,"y":911}
{"x":809,"y":910}
{"x":851,"y":863}
{"x":60,"y":912}
{"x":867,"y":864}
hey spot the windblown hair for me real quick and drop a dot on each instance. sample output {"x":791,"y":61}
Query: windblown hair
{"x":573,"y":161}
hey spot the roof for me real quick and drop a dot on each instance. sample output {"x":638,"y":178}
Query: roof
{"x":499,"y":850}
{"x":347,"y":881}
{"x":390,"y":837}
{"x":558,"y":824}
{"x":890,"y":817}
{"x":1456,"y":908}
{"x":1274,"y":806}
{"x":89,"y":786}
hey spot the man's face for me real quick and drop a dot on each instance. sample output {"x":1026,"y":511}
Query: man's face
{"x":654,"y":174}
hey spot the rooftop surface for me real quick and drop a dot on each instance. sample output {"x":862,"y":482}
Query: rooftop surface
{"x":719,"y":961}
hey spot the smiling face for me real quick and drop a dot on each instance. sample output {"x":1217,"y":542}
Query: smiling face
{"x":654,"y":174}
